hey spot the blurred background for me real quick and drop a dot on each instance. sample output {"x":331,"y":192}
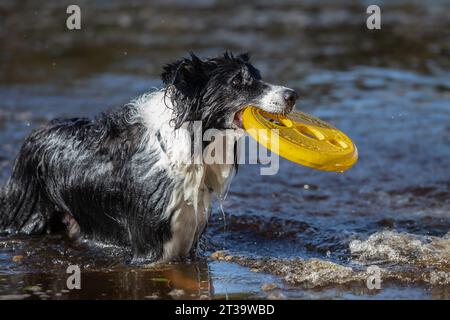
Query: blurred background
{"x":388,"y":89}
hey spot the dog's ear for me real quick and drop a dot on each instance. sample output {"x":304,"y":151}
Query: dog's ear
{"x":244,"y":56}
{"x":169,"y":71}
{"x":187,"y":75}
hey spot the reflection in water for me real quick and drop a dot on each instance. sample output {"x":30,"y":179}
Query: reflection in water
{"x":24,"y":276}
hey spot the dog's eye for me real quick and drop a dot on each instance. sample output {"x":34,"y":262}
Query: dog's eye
{"x":236,"y":81}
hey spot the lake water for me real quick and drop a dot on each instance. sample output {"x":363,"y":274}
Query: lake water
{"x":299,"y":234}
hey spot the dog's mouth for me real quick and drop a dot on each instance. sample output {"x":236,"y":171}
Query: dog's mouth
{"x":237,"y":120}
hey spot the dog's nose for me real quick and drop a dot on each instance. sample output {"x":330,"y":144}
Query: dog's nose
{"x":290,"y":96}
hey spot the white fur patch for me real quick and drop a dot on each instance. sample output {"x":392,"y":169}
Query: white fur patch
{"x":195,"y":184}
{"x":273,"y":100}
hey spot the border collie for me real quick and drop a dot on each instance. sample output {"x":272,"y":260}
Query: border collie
{"x":119,"y":178}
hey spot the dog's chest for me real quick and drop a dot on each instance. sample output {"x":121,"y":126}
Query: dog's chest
{"x":194,"y":184}
{"x":191,"y":205}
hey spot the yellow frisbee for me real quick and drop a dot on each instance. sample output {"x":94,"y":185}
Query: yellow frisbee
{"x":301,"y":138}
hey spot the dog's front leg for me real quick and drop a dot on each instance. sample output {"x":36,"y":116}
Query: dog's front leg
{"x":72,"y":226}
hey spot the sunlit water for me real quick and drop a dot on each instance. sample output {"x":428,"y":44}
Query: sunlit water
{"x":309,"y":234}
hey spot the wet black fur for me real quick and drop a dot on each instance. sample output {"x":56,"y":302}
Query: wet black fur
{"x":213,"y":89}
{"x":94,"y":169}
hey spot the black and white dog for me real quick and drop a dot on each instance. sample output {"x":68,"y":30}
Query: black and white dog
{"x":120,"y":179}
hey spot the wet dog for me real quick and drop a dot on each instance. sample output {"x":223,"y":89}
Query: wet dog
{"x":121,"y":178}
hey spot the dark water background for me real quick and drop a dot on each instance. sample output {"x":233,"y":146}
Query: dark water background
{"x":311,"y":234}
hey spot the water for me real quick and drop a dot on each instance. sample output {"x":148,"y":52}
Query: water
{"x":301,"y":233}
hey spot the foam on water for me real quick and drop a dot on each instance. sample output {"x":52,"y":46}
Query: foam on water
{"x":392,"y":247}
{"x":400,"y":257}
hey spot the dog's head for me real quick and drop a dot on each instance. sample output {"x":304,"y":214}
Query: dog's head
{"x":215,"y":90}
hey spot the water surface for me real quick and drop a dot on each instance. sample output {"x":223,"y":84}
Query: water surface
{"x":299,"y":234}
